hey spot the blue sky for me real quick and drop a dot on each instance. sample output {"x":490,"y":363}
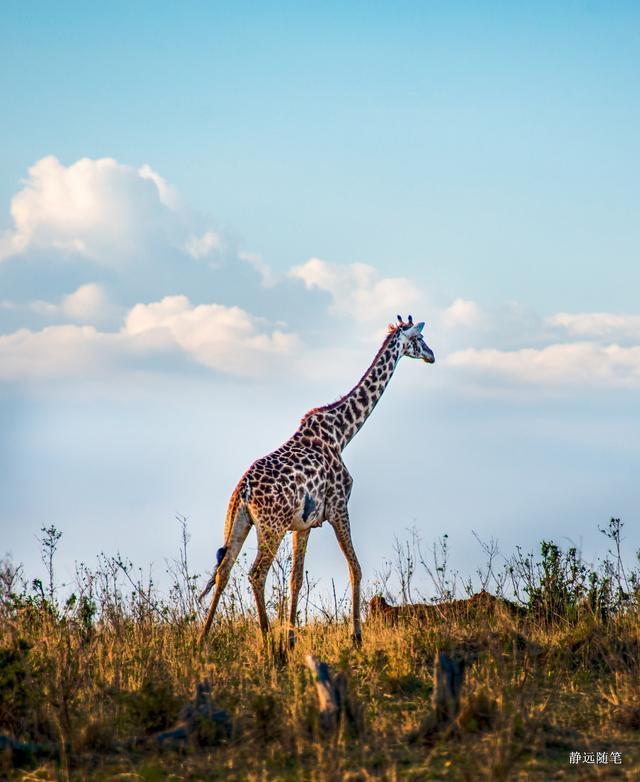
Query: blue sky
{"x":209,"y":213}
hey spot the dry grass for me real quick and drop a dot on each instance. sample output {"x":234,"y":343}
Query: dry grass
{"x":531,"y":696}
{"x":94,"y":685}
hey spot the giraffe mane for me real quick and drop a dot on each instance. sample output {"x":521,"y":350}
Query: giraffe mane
{"x":392,"y":331}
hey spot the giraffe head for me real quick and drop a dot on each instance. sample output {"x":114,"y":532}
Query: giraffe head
{"x":411,"y":342}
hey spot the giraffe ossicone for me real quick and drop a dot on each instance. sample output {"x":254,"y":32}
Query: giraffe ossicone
{"x":304,"y":483}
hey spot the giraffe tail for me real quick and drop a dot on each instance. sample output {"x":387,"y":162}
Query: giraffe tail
{"x":211,"y":582}
{"x":237,"y":526}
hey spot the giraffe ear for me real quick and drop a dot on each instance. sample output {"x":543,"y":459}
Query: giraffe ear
{"x":420,"y":326}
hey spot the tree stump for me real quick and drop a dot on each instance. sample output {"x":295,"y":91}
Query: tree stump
{"x":337,"y":710}
{"x":448,"y":678}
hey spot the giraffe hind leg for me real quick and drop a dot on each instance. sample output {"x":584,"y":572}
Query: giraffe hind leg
{"x":300,"y":538}
{"x":340,"y":524}
{"x":226,"y":558}
{"x":268,"y":545}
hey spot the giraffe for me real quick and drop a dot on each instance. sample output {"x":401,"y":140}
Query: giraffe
{"x":304,"y":483}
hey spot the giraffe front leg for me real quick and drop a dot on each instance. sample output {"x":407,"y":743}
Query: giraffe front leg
{"x":267,"y":548}
{"x":300,"y":538}
{"x":340,"y":524}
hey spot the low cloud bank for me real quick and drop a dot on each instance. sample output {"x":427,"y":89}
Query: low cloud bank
{"x":129,"y":230}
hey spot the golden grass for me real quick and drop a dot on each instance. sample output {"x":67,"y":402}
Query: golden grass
{"x":533,"y":693}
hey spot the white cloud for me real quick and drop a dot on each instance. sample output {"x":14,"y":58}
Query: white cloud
{"x":256,"y":261}
{"x":131,"y":222}
{"x":57,"y":351}
{"x":224,"y":338}
{"x":101,"y":209}
{"x":167,"y":194}
{"x":465,"y":313}
{"x":88,"y":304}
{"x":577,"y":364}
{"x":564,"y":351}
{"x":101,"y":221}
{"x":598,"y":325}
{"x":227,"y":339}
{"x":201,"y":246}
{"x":357,"y":290}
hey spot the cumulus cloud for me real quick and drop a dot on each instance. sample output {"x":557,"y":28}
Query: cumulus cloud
{"x":583,"y":364}
{"x":564,"y":351}
{"x":464,"y":313}
{"x":88,"y":304}
{"x":357,"y":290}
{"x":597,"y":325}
{"x":106,"y":222}
{"x":99,"y":225}
{"x":223,"y":338}
{"x":57,"y":351}
{"x":511,"y":346}
{"x":226,"y":339}
{"x":101,"y":209}
{"x":123,"y":229}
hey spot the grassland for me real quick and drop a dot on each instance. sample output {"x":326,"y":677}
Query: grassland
{"x":86,"y":684}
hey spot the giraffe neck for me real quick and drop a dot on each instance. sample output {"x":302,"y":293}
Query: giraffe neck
{"x":343,"y":419}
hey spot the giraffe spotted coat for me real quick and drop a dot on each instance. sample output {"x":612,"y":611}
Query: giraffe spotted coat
{"x":304,"y":483}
